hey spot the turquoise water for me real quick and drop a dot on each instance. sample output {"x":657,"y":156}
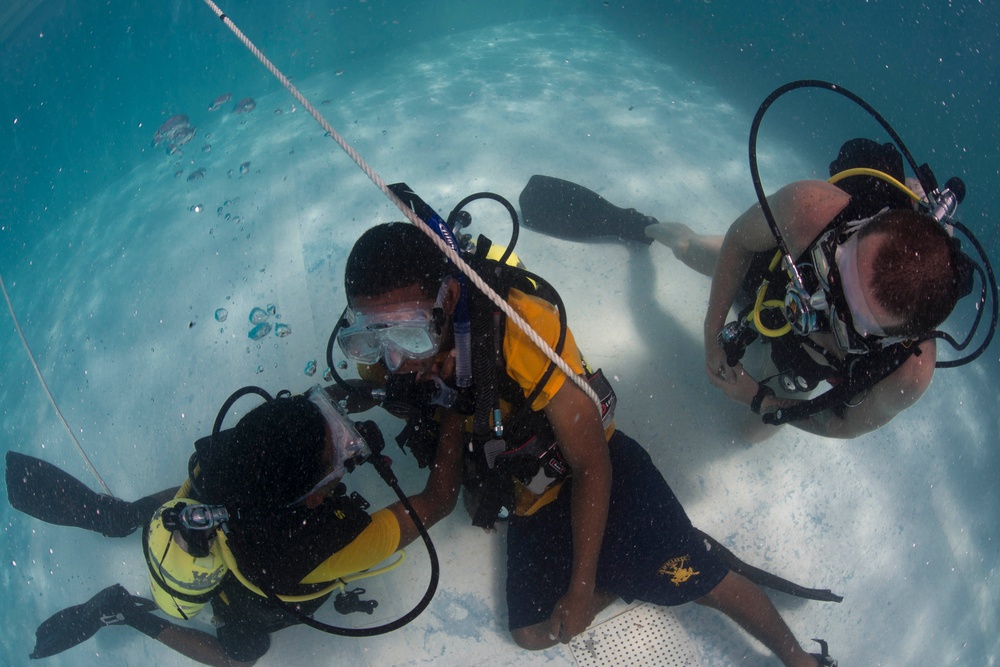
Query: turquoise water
{"x":116,"y":279}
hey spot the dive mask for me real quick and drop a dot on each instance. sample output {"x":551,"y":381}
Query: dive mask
{"x":395,"y":333}
{"x":349,"y":447}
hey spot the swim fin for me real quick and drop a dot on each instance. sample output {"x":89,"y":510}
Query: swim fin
{"x":42,"y":490}
{"x":764,"y":578}
{"x":569,"y":211}
{"x":75,"y":625}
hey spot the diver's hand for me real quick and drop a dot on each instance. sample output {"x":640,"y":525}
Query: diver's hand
{"x":742,"y":388}
{"x":572,"y":615}
{"x":716,"y":366}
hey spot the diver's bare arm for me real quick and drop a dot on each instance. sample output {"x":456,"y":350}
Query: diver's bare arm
{"x":578,"y":429}
{"x":801,"y":211}
{"x":440,"y":494}
{"x":748,"y":234}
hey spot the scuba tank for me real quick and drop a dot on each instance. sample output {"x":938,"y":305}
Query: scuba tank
{"x":184,"y":560}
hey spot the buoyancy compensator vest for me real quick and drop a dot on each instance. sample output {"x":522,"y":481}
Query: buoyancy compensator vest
{"x":509,"y":440}
{"x":798,"y":370}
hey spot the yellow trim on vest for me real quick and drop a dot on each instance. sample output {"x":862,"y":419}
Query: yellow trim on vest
{"x":339,"y":583}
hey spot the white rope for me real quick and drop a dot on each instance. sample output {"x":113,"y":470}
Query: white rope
{"x":38,"y":372}
{"x":410,"y":215}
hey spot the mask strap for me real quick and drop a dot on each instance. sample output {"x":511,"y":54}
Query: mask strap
{"x":861,"y":315}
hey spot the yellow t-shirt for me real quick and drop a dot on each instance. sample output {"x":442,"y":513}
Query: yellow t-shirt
{"x":526,"y":364}
{"x":377,"y":541}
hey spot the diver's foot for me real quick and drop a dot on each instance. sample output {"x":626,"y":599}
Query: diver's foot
{"x":112,"y":605}
{"x":675,"y":235}
{"x":114,"y":517}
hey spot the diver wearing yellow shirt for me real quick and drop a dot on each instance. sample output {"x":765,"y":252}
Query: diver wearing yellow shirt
{"x":294,"y":530}
{"x":591,"y":517}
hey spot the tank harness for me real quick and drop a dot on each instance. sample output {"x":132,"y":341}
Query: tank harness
{"x":521,"y":446}
{"x":798,"y":371}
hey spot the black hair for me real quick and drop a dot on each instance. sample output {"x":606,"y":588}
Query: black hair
{"x":916,"y":274}
{"x":391,"y":256}
{"x":272,"y":457}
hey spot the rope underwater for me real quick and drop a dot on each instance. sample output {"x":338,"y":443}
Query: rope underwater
{"x":410,"y":215}
{"x":45,"y":386}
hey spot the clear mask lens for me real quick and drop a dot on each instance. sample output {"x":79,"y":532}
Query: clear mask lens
{"x":349,"y":447}
{"x":408,"y":332}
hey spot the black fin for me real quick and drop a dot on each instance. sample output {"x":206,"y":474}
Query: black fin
{"x":42,"y":490}
{"x":763,"y":578}
{"x":77,"y":624}
{"x":569,"y":211}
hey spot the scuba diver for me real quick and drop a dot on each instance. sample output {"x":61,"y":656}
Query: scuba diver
{"x":590,"y":517}
{"x":847,"y":279}
{"x":263,"y":529}
{"x":891,"y":275}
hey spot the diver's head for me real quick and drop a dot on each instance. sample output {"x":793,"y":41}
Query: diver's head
{"x":282,"y":452}
{"x":400,"y":297}
{"x":391,"y":256}
{"x":914,"y":275}
{"x":273,"y":455}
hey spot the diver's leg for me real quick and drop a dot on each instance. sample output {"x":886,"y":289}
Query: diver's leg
{"x":197,"y":645}
{"x":536,"y":637}
{"x":754,"y":431}
{"x":116,"y":606}
{"x":745,"y":603}
{"x":697,"y":251}
{"x":144,"y":507}
{"x":44,"y":491}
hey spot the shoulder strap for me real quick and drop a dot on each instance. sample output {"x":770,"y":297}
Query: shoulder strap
{"x":489,"y":329}
{"x":491,"y":472}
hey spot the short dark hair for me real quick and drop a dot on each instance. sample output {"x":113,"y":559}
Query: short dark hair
{"x":915,"y":270}
{"x":272,"y":457}
{"x":391,"y":256}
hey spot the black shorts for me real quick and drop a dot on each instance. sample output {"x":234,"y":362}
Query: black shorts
{"x":650,"y":551}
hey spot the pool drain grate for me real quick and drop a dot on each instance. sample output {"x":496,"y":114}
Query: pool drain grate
{"x":644,"y":636}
